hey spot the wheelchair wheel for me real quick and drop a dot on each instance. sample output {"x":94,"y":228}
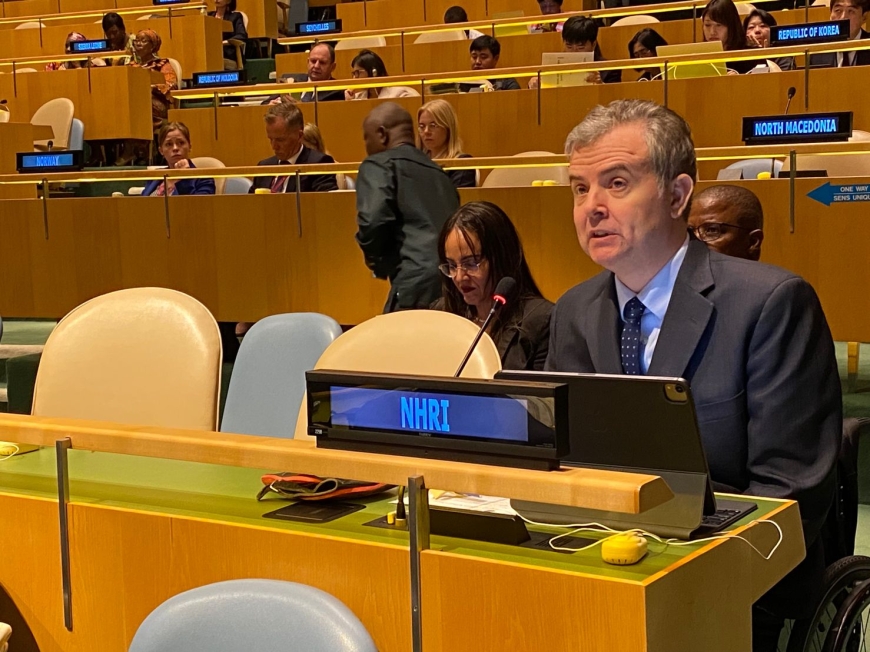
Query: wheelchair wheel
{"x":850,"y":628}
{"x":841,"y":579}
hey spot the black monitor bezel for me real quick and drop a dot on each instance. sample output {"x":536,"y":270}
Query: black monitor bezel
{"x":77,"y":164}
{"x":845,"y":132}
{"x":243,"y":78}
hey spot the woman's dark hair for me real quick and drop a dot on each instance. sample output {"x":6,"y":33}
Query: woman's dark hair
{"x":500,"y":245}
{"x":648,"y":38}
{"x":232,"y":6}
{"x":371,"y":63}
{"x":766,"y":18}
{"x":725,"y":13}
{"x":111,"y":20}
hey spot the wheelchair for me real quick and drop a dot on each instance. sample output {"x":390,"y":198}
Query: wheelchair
{"x":841,"y":622}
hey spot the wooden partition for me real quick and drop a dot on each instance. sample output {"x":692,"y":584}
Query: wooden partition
{"x":248,"y":256}
{"x":194,"y":40}
{"x":113,"y":102}
{"x":14,"y":137}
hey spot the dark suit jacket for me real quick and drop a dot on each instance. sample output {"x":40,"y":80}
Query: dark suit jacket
{"x":307,"y":182}
{"x":829,"y":59}
{"x":754,"y":345}
{"x":322,"y":96}
{"x":239,"y":32}
{"x":184,"y":186}
{"x":607,"y":76}
{"x":402,"y":201}
{"x":463,"y":178}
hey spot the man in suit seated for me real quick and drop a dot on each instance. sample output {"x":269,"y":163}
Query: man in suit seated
{"x":485,"y":51}
{"x":321,"y":65}
{"x":751,"y":339}
{"x":730,"y":220}
{"x":853,"y":11}
{"x":284,"y":125}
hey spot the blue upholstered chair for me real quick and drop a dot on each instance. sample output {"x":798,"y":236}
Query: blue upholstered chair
{"x":252,"y":614}
{"x":268,"y":380}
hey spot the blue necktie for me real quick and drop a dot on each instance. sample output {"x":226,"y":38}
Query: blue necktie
{"x":631,"y":337}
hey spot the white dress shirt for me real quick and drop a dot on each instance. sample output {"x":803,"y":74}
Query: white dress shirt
{"x":851,"y":55}
{"x":655,"y":296}
{"x":290,"y":161}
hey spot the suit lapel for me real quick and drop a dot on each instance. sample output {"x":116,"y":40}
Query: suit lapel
{"x":688,"y":314}
{"x":604,"y":333}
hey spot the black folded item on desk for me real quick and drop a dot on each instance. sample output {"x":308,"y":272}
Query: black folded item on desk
{"x":299,"y":486}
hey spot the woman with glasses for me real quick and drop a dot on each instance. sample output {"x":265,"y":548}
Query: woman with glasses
{"x":478,"y":246}
{"x":438,"y":137}
{"x":368,"y":65}
{"x":644,"y":45}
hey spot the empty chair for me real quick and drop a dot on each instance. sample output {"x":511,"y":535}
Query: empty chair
{"x":439,"y":37}
{"x":209,"y":162}
{"x":744,"y":8}
{"x":236,"y":185}
{"x":148,"y":356}
{"x":754,"y":166}
{"x":5,"y":113}
{"x":268,"y":380}
{"x":33,"y":24}
{"x":526,"y":176}
{"x":859,"y":136}
{"x":427,"y":342}
{"x":361,"y":42}
{"x":252,"y":614}
{"x":77,"y":134}
{"x":640,"y":19}
{"x":58,"y":114}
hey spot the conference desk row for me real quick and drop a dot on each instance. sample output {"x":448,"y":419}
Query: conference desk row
{"x":249,"y":256}
{"x":142,"y":529}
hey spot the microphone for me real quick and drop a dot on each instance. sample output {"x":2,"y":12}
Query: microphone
{"x":504,"y":291}
{"x":50,"y":145}
{"x":791,"y":91}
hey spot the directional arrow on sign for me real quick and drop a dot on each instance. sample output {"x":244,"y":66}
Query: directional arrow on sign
{"x":828,"y":194}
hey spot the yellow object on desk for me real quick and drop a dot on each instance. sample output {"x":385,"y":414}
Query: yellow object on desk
{"x":623,"y":549}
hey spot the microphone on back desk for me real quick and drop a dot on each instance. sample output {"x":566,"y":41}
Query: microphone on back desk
{"x":504,"y":291}
{"x":791,"y":91}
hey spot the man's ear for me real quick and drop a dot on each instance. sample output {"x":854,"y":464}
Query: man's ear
{"x":383,"y":135}
{"x":756,"y":237}
{"x":681,"y":193}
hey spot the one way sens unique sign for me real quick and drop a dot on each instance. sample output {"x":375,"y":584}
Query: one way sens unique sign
{"x":828,"y":193}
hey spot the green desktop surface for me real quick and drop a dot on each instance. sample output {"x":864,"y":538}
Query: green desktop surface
{"x":228,"y":495}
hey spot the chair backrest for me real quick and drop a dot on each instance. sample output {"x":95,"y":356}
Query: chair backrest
{"x":21,"y":70}
{"x":429,"y":342}
{"x":244,"y":19}
{"x":210,"y":162}
{"x":754,"y":166}
{"x":5,"y":634}
{"x":58,"y":114}
{"x":5,"y":114}
{"x":268,"y":380}
{"x":439,"y":37}
{"x":836,"y":165}
{"x":77,"y":134}
{"x":149,"y":356}
{"x":237,"y":186}
{"x":361,"y":42}
{"x":745,"y":8}
{"x":526,"y":176}
{"x":772,"y":66}
{"x":252,"y":614}
{"x":33,"y":24}
{"x":639,"y":19}
{"x":859,"y":136}
{"x":176,"y":67}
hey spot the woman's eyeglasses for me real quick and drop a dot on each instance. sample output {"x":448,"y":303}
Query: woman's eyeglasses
{"x":471,"y":267}
{"x":432,"y":126}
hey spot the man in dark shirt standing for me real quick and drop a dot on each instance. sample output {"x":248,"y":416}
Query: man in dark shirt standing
{"x":402,"y":201}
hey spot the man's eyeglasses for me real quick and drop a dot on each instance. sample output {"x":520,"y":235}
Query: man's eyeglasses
{"x":710,"y":231}
{"x":471,"y":267}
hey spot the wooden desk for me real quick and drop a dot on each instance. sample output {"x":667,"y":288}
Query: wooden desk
{"x":142,"y":530}
{"x":194,"y":40}
{"x":113,"y":102}
{"x":244,"y":258}
{"x":15,"y":137}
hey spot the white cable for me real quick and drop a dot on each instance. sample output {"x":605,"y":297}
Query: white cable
{"x":15,"y":449}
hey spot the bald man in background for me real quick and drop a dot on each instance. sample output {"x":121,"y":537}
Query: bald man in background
{"x":730,"y":220}
{"x":402,"y":201}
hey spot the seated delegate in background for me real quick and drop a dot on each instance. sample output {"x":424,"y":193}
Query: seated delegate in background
{"x":367,"y":65}
{"x":174,"y":143}
{"x":313,"y":140}
{"x":226,"y":10}
{"x":478,"y":247}
{"x":485,"y":51}
{"x":73,"y":37}
{"x":757,"y":27}
{"x":321,"y":65}
{"x":438,"y":137}
{"x":456,"y":14}
{"x":284,"y":128}
{"x":853,"y":11}
{"x":721,"y":22}
{"x":730,"y":220}
{"x":580,"y":34}
{"x":643,"y":45}
{"x":147,"y":44}
{"x":548,"y":8}
{"x":116,"y":34}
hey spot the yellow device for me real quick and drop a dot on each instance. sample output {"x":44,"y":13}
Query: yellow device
{"x":623,"y":549}
{"x":8,"y":449}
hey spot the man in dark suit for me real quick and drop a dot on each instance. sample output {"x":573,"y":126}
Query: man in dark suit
{"x":321,"y":65}
{"x":751,"y":339}
{"x":284,"y":125}
{"x":402,"y":201}
{"x":853,"y":11}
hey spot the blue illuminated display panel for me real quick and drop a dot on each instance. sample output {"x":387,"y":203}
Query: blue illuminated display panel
{"x":221,"y":78}
{"x":460,"y":415}
{"x":804,"y":128}
{"x":97,"y":45}
{"x":322,"y":27}
{"x":809,"y":33}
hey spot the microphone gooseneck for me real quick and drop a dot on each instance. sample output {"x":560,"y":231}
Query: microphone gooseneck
{"x":504,"y":291}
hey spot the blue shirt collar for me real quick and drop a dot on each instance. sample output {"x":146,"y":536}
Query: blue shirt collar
{"x":656,"y":295}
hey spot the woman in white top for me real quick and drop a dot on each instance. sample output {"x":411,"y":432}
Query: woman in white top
{"x":367,"y":65}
